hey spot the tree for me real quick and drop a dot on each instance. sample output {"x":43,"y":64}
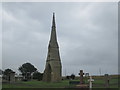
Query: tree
{"x":7,"y":71}
{"x":26,"y":69}
{"x":1,"y":72}
{"x":37,"y":75}
{"x":67,"y":77}
{"x":72,"y":76}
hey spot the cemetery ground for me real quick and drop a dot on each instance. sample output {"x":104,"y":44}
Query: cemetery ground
{"x":99,"y":82}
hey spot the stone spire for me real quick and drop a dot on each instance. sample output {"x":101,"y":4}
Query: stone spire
{"x":53,"y":38}
{"x":53,"y":22}
{"x":53,"y":68}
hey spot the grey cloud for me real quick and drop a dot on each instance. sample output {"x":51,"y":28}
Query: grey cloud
{"x":87,"y":35}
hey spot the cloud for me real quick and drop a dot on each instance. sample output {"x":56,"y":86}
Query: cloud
{"x":87,"y":35}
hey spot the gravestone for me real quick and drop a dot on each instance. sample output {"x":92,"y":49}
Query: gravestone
{"x":82,"y":84}
{"x":81,"y":76}
{"x":86,"y":74}
{"x":90,"y":82}
{"x":12,"y":77}
{"x":107,"y":80}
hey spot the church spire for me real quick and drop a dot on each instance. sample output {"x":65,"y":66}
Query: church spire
{"x":53,"y":68}
{"x":53,"y":22}
{"x":53,"y":38}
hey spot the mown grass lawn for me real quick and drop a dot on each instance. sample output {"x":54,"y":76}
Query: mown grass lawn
{"x":36,"y":84}
{"x":98,"y":83}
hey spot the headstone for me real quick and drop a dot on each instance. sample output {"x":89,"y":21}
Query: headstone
{"x":0,"y":82}
{"x":86,"y":74}
{"x":90,"y":82}
{"x":106,"y":80}
{"x":81,"y":76}
{"x":12,"y":77}
{"x":82,"y":84}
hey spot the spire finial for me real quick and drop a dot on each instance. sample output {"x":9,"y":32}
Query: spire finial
{"x":53,"y":13}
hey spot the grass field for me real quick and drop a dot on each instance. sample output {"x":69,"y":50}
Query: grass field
{"x":36,"y":84}
{"x":98,"y":83}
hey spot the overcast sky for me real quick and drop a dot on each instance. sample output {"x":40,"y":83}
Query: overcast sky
{"x":87,"y":35}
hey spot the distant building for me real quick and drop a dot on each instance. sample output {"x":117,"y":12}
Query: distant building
{"x":18,"y":77}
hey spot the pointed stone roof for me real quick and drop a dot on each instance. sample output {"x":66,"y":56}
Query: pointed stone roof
{"x":53,"y":68}
{"x":53,"y":21}
{"x":53,"y":37}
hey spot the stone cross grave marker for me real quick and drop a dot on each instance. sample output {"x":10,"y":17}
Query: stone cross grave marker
{"x":81,"y":76}
{"x":90,"y":82}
